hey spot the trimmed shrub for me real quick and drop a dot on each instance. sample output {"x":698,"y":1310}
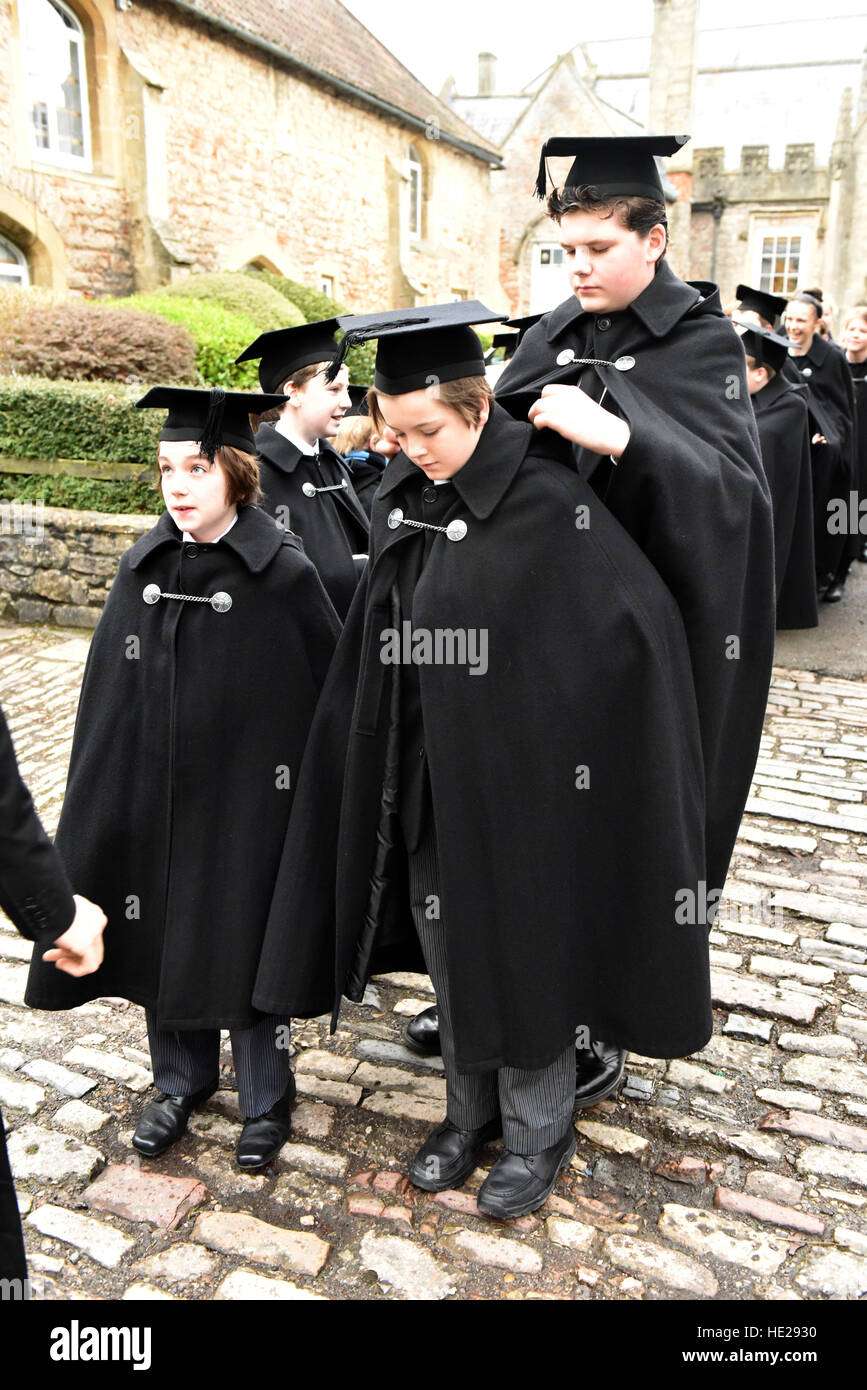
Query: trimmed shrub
{"x":76,"y":420}
{"x":316,"y":306}
{"x":240,"y":294}
{"x":77,"y":341}
{"x":219,"y":335}
{"x":83,"y":494}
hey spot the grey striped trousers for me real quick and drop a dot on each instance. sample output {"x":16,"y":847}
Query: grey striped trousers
{"x":186,"y":1061}
{"x":535,"y":1106}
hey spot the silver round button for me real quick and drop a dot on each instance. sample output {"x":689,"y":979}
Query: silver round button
{"x":308,"y":489}
{"x":456,"y":530}
{"x":565,"y":357}
{"x":221,"y":602}
{"x":624,"y":364}
{"x":808,"y":371}
{"x":395,"y":518}
{"x":152,"y":593}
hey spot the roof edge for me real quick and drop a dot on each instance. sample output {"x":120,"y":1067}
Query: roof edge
{"x":385,"y":108}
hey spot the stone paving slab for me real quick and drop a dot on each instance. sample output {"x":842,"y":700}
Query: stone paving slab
{"x":736,"y":1174}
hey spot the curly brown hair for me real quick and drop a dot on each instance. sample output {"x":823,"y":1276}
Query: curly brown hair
{"x":635,"y":213}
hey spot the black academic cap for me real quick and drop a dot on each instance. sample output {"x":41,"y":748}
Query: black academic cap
{"x":622,"y":165}
{"x":769,"y":306}
{"x":210,"y":418}
{"x":769,"y":349}
{"x":358,"y":396}
{"x":507,"y":341}
{"x":416,"y":346}
{"x":287,"y":350}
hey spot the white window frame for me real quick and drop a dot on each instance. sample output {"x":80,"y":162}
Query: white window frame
{"x":415,"y":175}
{"x":34,"y":52}
{"x":18,"y":259}
{"x":784,"y":226}
{"x":326,"y":285}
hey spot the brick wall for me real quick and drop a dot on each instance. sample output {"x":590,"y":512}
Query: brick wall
{"x":57,"y":565}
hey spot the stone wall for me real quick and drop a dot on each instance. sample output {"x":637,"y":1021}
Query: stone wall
{"x":57,"y":565}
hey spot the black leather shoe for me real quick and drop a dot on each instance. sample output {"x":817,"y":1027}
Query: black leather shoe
{"x":263,"y":1137}
{"x":422,"y":1033}
{"x":834,"y":593}
{"x":164,"y":1121}
{"x":598,"y":1072}
{"x":448,"y":1156}
{"x":519,"y":1183}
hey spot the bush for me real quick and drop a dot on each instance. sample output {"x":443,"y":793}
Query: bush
{"x":77,"y":341}
{"x":316,"y":306}
{"x":240,"y":294}
{"x":219,"y":335}
{"x":83,"y":494}
{"x":76,"y":420}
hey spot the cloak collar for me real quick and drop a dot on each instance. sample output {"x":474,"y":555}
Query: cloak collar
{"x":255,"y":538}
{"x":659,"y":307}
{"x":285,"y":455}
{"x":780,"y":386}
{"x":818,"y":353}
{"x":487,"y":475}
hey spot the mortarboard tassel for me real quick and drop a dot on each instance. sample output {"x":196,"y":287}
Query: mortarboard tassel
{"x":353,"y":338}
{"x":212,"y":434}
{"x":542,"y":177}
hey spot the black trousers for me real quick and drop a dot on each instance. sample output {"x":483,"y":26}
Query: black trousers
{"x":13,"y":1264}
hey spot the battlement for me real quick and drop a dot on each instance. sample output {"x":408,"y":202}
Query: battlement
{"x":798,"y":181}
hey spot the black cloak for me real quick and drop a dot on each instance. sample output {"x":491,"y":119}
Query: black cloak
{"x":691,"y":491}
{"x":835,"y":475}
{"x":784,"y":434}
{"x":188,"y":742}
{"x":567,"y":780}
{"x":333,"y":526}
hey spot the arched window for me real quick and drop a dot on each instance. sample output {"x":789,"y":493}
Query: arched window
{"x":13,"y":265}
{"x":56,"y":73}
{"x":415,"y":174}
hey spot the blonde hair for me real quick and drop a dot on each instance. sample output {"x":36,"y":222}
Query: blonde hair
{"x":354,"y":433}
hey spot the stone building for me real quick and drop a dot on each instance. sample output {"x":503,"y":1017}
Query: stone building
{"x":141,"y":140}
{"x":772,"y":188}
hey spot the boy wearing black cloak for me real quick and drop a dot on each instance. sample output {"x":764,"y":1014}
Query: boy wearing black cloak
{"x":198,"y":692}
{"x":689,"y":487}
{"x":783,"y":420}
{"x":823,"y":366}
{"x":306,"y":485}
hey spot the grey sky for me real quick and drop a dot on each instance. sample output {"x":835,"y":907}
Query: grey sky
{"x":442,"y":37}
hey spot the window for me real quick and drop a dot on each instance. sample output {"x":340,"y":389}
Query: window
{"x":54,"y":64}
{"x":326,"y":285}
{"x":781,"y":250}
{"x":415,"y":174}
{"x":13,"y":265}
{"x":781,"y":262}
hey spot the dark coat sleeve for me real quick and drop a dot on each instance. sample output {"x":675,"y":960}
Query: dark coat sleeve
{"x":34,"y":889}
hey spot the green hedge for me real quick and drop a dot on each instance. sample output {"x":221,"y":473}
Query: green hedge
{"x":83,"y":494}
{"x":219,"y":334}
{"x":42,"y":419}
{"x":256,"y":299}
{"x":316,"y":306}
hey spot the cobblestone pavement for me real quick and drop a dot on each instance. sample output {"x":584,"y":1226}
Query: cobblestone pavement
{"x":740,"y":1173}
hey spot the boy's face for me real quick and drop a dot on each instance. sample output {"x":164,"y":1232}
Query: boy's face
{"x":801,"y":322}
{"x":855,"y":337}
{"x":194,"y":490}
{"x":757,"y":377}
{"x":608,"y":265}
{"x":437,"y":439}
{"x":320,"y":405}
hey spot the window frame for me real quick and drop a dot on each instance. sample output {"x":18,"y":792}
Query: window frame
{"x":20,"y":259}
{"x":76,"y":35}
{"x":415,"y":176}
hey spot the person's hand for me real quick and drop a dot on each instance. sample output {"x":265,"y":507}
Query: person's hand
{"x":386,"y":444}
{"x":569,"y":411}
{"x":818,"y":439}
{"x":79,"y":950}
